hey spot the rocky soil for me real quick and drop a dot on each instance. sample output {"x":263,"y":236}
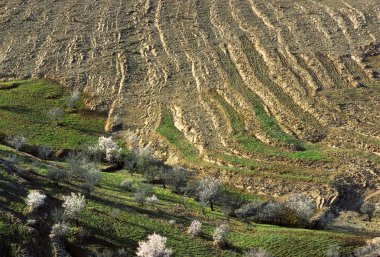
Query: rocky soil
{"x":312,"y":65}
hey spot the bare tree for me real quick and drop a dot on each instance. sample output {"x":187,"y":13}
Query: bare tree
{"x":209,"y":191}
{"x":302,"y":206}
{"x":368,"y":209}
{"x":141,"y":193}
{"x":272,"y":213}
{"x":56,"y":175}
{"x":91,"y":178}
{"x":178,"y":178}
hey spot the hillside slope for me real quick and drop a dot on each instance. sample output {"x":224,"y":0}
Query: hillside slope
{"x":285,"y":92}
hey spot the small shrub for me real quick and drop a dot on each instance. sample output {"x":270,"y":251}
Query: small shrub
{"x":154,"y":247}
{"x":73,"y":205}
{"x":195,"y":228}
{"x":151,"y":171}
{"x":140,"y":198}
{"x":117,"y":122}
{"x":172,"y":222}
{"x":333,"y":251}
{"x":220,"y":236}
{"x":121,"y":253}
{"x":35,"y":200}
{"x":79,"y":165}
{"x":325,"y":219}
{"x":143,"y":157}
{"x":152,"y":199}
{"x":45,"y":152}
{"x":105,"y":253}
{"x":73,"y":100}
{"x":371,"y":249}
{"x":115,"y":213}
{"x":127,"y":184}
{"x":17,"y":142}
{"x":56,"y":114}
{"x":256,"y":252}
{"x":110,"y":253}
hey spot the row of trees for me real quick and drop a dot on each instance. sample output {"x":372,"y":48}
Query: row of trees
{"x":63,"y":217}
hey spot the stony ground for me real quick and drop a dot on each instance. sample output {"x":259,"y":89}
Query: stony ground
{"x":278,"y":93}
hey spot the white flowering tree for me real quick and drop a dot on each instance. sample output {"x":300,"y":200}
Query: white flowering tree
{"x":35,"y":199}
{"x":110,"y":148}
{"x":154,"y":247}
{"x":195,"y":228}
{"x":220,"y":236}
{"x":60,"y":229}
{"x":73,"y":205}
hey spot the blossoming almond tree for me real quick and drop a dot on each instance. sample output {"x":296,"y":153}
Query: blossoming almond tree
{"x":73,"y":205}
{"x":154,"y":247}
{"x":35,"y":199}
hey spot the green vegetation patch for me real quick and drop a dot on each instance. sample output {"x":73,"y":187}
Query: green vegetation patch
{"x":252,"y":144}
{"x":24,"y":112}
{"x":111,"y":229}
{"x":268,"y":124}
{"x":281,"y":241}
{"x":176,"y":138}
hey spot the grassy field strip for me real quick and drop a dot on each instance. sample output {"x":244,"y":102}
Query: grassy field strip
{"x":24,"y":112}
{"x":176,"y":138}
{"x":135,"y":222}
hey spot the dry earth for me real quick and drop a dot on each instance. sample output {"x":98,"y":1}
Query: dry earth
{"x":311,"y":65}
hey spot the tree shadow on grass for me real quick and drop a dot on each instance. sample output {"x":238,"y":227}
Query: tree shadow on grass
{"x":20,"y":109}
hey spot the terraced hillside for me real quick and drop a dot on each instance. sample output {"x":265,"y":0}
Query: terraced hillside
{"x":274,"y":96}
